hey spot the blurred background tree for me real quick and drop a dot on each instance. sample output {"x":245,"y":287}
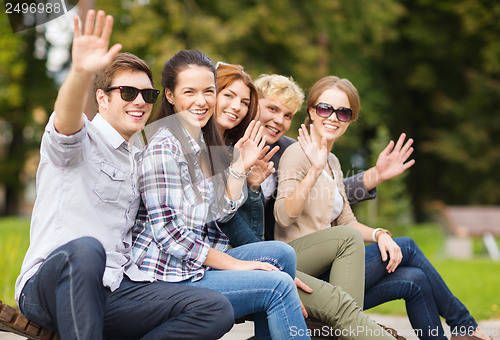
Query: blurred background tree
{"x":26,"y":92}
{"x":442,"y":77}
{"x":425,"y":67}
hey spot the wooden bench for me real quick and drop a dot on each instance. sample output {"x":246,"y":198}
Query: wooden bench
{"x":12,"y":320}
{"x":464,"y":222}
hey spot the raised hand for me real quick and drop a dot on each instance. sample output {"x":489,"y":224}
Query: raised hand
{"x":262,"y":169}
{"x":90,"y":48}
{"x":250,"y":146}
{"x":316,"y":155}
{"x":90,"y":55}
{"x":391,"y":161}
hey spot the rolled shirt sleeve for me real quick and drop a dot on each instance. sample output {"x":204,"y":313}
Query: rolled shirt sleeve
{"x":356,"y":190}
{"x":65,"y":150}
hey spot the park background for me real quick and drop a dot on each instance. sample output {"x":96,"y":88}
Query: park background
{"x":429,"y":68}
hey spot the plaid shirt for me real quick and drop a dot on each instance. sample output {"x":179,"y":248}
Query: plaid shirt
{"x":175,"y":229}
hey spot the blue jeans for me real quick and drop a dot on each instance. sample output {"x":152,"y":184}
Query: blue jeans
{"x":417,"y":282}
{"x":262,"y":293}
{"x":247,"y":224}
{"x":67,"y":295}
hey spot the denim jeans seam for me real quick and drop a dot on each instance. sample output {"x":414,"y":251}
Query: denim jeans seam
{"x":27,"y":306}
{"x":284,"y":315}
{"x":426,"y":315}
{"x":71,"y":298}
{"x":280,"y":308}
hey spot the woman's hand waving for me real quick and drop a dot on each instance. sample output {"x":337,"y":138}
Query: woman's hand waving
{"x":249,"y":148}
{"x":316,"y":155}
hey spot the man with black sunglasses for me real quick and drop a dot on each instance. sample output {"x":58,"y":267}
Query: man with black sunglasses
{"x":78,"y":277}
{"x":129,"y":93}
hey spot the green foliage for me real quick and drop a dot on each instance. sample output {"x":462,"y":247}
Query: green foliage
{"x":392,"y":207}
{"x":442,"y":75}
{"x":24,"y":88}
{"x":427,"y":68}
{"x":14,"y":242}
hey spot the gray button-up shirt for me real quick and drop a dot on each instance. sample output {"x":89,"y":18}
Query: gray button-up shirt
{"x":86,"y":186}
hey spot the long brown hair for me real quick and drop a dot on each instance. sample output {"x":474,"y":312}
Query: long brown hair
{"x":214,"y":144}
{"x":226,"y":75}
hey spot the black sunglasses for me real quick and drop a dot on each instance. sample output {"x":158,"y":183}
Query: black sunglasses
{"x":326,"y":110}
{"x":129,"y":93}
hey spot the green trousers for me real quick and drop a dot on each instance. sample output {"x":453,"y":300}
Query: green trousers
{"x":339,"y":302}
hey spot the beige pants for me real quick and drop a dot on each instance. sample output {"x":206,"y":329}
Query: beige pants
{"x":338,"y":302}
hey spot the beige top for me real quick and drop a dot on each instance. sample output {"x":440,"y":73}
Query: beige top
{"x":316,"y":215}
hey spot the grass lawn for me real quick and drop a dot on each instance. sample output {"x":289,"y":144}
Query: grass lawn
{"x":14,"y":241}
{"x":475,"y":282}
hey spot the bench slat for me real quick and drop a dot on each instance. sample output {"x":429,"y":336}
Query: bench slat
{"x":13,"y":321}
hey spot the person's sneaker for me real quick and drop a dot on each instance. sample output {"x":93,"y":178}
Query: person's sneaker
{"x":392,"y":332}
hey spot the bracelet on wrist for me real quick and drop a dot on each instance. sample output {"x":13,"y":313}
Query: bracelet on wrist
{"x":237,"y":174}
{"x":376,"y":233}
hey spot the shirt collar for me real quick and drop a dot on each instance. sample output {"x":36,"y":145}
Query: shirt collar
{"x":196,"y":146}
{"x":108,"y":131}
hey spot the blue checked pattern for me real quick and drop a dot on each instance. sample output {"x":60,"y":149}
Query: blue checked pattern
{"x":175,"y":229}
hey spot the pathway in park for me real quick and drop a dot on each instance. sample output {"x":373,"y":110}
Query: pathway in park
{"x":400,"y":323}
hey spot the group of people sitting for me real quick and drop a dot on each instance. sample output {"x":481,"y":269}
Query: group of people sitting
{"x":219,"y":215}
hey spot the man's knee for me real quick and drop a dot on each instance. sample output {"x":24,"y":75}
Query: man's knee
{"x":86,"y":255}
{"x":218,"y":314}
{"x":225,"y":317}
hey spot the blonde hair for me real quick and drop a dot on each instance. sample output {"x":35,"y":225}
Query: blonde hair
{"x":281,"y":88}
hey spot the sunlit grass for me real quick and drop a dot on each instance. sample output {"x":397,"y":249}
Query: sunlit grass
{"x":14,"y":241}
